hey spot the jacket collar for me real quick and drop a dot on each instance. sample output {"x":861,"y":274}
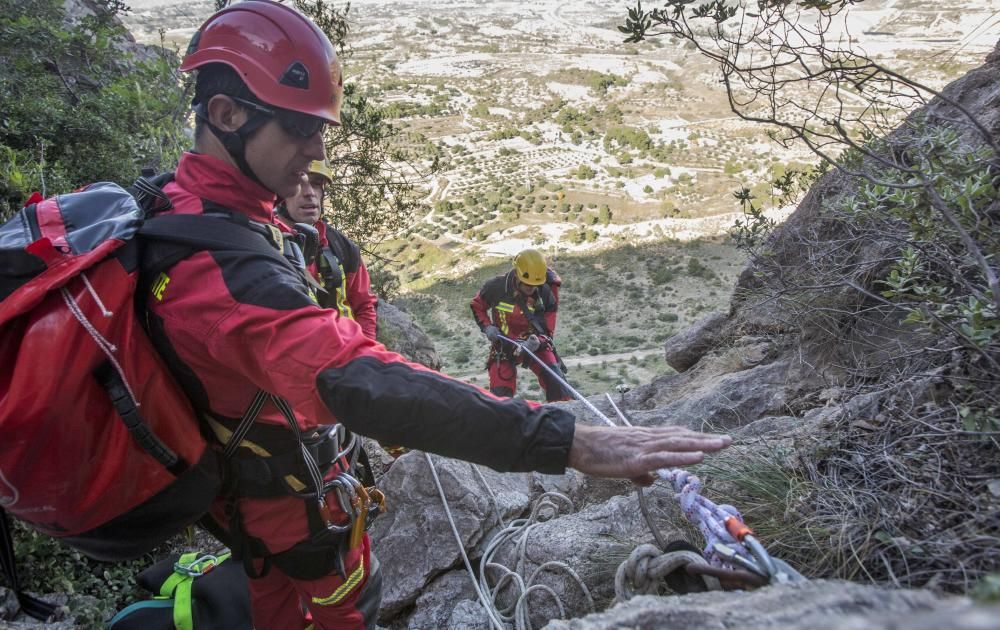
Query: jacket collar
{"x":286,"y":224}
{"x":210,"y":178}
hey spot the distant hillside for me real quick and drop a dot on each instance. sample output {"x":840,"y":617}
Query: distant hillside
{"x":545,"y":129}
{"x":617,"y":307}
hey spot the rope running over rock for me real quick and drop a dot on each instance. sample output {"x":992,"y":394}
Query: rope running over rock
{"x":501,"y":617}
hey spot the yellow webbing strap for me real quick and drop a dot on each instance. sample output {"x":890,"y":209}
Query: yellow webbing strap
{"x":342,"y":591}
{"x":224,"y":434}
{"x":178,"y":587}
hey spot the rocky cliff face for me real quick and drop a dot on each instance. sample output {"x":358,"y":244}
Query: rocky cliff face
{"x":132,"y":51}
{"x":398,"y":332}
{"x":846,"y":460}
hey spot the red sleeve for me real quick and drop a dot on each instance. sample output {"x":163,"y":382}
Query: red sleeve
{"x":274,"y":338}
{"x":481,"y":311}
{"x":362,"y":300}
{"x":550,"y":322}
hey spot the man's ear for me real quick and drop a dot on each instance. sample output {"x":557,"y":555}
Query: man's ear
{"x":224,"y":113}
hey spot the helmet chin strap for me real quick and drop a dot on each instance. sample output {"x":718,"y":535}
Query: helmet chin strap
{"x":235,"y":141}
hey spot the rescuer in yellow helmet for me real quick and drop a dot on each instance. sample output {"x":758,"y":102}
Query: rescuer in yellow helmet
{"x":521,"y":304}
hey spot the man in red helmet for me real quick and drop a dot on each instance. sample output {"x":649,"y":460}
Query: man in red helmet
{"x":278,"y":379}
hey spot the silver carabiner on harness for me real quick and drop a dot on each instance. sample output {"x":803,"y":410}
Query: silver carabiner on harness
{"x":198,"y":566}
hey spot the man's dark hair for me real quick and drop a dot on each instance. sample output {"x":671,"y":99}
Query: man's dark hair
{"x":217,"y":78}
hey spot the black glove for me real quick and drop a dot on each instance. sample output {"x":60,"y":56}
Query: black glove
{"x":532,"y":343}
{"x":492,"y":333}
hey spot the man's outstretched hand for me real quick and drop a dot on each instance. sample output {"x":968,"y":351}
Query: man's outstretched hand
{"x":635,"y":452}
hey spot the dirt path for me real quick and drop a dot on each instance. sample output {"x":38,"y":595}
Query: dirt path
{"x":578,"y":361}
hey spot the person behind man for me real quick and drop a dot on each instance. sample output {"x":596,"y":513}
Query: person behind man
{"x":242,"y":332}
{"x":521,"y":304}
{"x":338,"y":265}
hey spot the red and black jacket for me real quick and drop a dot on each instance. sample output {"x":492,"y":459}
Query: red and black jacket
{"x":500,"y":304}
{"x":342,"y":273}
{"x":233,"y":323}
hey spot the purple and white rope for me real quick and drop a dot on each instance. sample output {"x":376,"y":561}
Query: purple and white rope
{"x":709,"y":518}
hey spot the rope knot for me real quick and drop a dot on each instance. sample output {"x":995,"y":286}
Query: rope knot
{"x":644,"y":569}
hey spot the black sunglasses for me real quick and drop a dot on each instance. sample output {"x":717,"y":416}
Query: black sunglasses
{"x":295,"y":123}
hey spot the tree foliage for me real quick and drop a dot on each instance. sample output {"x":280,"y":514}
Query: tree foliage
{"x":80,"y":104}
{"x":373,"y":195}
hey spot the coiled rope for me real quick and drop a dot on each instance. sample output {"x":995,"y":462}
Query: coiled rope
{"x":517,"y":612}
{"x":644,"y":569}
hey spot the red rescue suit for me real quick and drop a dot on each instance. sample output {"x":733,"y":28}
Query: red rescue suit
{"x":342,"y":273}
{"x":501,"y":304}
{"x":231,"y":324}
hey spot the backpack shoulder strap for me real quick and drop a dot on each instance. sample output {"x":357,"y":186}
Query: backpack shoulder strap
{"x":344,"y":248}
{"x":213,"y":233}
{"x":177,"y":236}
{"x":148,"y":192}
{"x":534,"y":316}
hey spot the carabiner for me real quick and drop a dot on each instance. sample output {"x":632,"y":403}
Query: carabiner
{"x":761,"y":555}
{"x":733,"y":557}
{"x":195,"y":568}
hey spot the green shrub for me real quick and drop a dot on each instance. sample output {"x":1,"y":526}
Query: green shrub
{"x":111,"y":117}
{"x":96,"y":589}
{"x":662,"y":276}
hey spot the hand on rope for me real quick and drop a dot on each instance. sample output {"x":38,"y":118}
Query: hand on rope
{"x":532,"y":343}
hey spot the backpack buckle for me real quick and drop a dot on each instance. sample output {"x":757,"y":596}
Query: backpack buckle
{"x":274,"y":235}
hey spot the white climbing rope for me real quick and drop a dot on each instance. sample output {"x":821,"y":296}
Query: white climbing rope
{"x":546,"y":507}
{"x":511,"y":584}
{"x":709,"y":518}
{"x":490,"y":611}
{"x":643,"y":571}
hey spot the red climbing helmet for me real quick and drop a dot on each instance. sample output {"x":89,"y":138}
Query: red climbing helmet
{"x":285,"y":59}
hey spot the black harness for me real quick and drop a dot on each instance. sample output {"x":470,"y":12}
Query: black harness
{"x":307,"y":466}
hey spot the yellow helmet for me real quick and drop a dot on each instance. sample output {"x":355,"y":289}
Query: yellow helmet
{"x":321,"y":168}
{"x":530,"y":267}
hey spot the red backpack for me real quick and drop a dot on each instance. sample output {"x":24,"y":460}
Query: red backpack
{"x":100,"y":447}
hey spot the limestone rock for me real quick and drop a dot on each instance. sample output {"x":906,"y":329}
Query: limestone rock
{"x":468,"y":615}
{"x":12,"y":617}
{"x":77,"y":10}
{"x":449,"y":602}
{"x":398,"y":332}
{"x":581,"y":489}
{"x":688,"y":346}
{"x":728,"y":388}
{"x":814,"y":605}
{"x":414,"y":540}
{"x":8,"y":603}
{"x":592,"y":542}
